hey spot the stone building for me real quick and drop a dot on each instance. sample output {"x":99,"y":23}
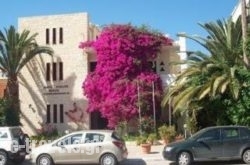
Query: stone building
{"x":51,"y":86}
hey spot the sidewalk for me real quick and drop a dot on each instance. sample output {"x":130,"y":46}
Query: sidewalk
{"x":136,"y":157}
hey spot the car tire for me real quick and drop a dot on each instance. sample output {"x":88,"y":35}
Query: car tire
{"x":184,"y":158}
{"x":108,"y":159}
{"x":44,"y":160}
{"x":246,"y":156}
{"x":3,"y":158}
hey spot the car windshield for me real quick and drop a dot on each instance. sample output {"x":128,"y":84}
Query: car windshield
{"x":197,"y":134}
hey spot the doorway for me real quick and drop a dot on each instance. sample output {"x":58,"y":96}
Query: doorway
{"x":97,"y":121}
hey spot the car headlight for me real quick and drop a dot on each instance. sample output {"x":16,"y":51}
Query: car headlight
{"x":168,"y":149}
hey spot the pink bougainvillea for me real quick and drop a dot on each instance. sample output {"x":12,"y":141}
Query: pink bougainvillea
{"x":123,"y":54}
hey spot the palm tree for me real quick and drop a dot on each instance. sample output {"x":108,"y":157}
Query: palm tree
{"x":16,"y":50}
{"x":210,"y":75}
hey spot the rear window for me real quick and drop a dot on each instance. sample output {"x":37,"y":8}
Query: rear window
{"x":244,"y":133}
{"x":15,"y":132}
{"x":116,"y":136}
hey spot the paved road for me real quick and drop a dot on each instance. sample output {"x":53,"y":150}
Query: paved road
{"x":136,"y":157}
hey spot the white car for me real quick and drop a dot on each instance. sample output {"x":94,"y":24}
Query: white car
{"x":10,"y":150}
{"x":82,"y":147}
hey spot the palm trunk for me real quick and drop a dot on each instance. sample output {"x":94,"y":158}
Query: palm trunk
{"x":244,"y":31}
{"x":12,"y":95}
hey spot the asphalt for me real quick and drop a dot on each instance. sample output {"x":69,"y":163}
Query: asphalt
{"x":137,"y":157}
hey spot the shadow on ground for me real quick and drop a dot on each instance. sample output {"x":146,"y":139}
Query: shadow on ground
{"x":125,"y":162}
{"x":216,"y":163}
{"x":133,"y":162}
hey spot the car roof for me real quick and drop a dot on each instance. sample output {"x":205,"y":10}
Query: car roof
{"x":226,"y":126}
{"x":94,"y":131}
{"x":9,"y":127}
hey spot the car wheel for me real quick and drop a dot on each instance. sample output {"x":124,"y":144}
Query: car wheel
{"x":3,"y":158}
{"x":184,"y":158}
{"x":44,"y":160}
{"x":108,"y":159}
{"x":246,"y":156}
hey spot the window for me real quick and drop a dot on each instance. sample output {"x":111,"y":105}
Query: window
{"x":56,"y":67}
{"x":244,"y":133}
{"x":16,"y":132}
{"x":61,"y":113}
{"x":152,"y":65}
{"x":48,"y":114}
{"x":93,"y":138}
{"x":3,"y":135}
{"x":231,"y":133}
{"x":61,"y":35}
{"x":54,"y":35}
{"x":54,"y":71}
{"x":210,"y":135}
{"x":92,"y":66}
{"x":73,"y":139}
{"x":55,"y":113}
{"x":48,"y":72}
{"x":60,"y":71}
{"x":47,"y":36}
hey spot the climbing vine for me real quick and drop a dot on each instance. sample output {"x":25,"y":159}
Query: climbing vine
{"x":123,"y":71}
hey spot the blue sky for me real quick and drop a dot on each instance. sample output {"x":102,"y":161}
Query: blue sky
{"x":166,"y":16}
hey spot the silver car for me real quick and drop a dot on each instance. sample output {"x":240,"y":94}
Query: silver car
{"x":82,"y":147}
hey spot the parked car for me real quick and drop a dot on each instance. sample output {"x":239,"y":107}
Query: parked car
{"x":211,"y":144}
{"x":12,"y":146}
{"x":82,"y":147}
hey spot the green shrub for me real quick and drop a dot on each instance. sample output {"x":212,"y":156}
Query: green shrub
{"x":152,"y":137}
{"x":167,"y":132}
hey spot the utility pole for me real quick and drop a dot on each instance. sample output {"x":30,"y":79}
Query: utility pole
{"x":244,"y":31}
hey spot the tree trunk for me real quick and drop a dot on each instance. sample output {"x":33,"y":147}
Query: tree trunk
{"x":244,"y":31}
{"x":12,"y":95}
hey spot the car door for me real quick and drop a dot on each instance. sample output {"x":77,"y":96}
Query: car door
{"x":208,"y":145}
{"x":68,"y":149}
{"x":231,"y":142}
{"x":93,"y":147}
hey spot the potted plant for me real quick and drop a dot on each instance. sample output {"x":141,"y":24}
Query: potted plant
{"x":167,"y":133}
{"x":143,"y":142}
{"x":152,"y":137}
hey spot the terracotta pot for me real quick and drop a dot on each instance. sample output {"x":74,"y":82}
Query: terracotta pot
{"x":165,"y":141}
{"x":146,"y":148}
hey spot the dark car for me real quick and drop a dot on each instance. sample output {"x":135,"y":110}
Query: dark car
{"x":211,"y":144}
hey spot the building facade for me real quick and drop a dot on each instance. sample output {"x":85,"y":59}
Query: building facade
{"x":237,"y":10}
{"x":51,"y":86}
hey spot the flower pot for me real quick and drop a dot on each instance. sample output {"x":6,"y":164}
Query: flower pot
{"x":165,"y":141}
{"x":146,"y":148}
